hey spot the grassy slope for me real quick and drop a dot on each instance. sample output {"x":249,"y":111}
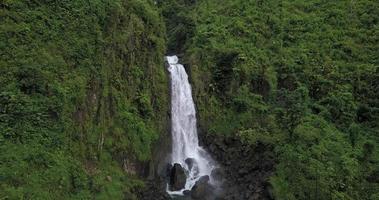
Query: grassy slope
{"x":301,"y":76}
{"x":83,"y":97}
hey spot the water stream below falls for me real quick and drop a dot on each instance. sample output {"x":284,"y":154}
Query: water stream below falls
{"x":185,"y":143}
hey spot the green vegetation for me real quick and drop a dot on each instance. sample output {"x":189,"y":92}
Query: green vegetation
{"x":83,"y":97}
{"x":299,"y":75}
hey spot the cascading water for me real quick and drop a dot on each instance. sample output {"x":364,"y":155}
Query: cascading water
{"x":185,"y":144}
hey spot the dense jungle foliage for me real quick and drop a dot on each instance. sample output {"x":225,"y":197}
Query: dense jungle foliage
{"x":302,"y":76}
{"x":84,"y":95}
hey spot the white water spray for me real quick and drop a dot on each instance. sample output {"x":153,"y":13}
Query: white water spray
{"x":185,"y":143}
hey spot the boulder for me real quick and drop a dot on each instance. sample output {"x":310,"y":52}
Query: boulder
{"x":177,"y":177}
{"x":187,"y":192}
{"x":202,"y":190}
{"x":190,"y":162}
{"x":203,"y":180}
{"x":192,"y":166}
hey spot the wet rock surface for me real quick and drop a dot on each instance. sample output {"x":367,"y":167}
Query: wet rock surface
{"x":244,"y":172}
{"x":202,"y":190}
{"x":187,"y":192}
{"x":190,"y":162}
{"x":177,"y":177}
{"x":245,"y":169}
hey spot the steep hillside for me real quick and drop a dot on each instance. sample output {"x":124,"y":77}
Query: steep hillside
{"x":287,"y":96}
{"x":287,"y":93}
{"x":83,"y":97}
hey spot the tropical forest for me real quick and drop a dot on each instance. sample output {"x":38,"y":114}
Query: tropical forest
{"x":189,"y":99}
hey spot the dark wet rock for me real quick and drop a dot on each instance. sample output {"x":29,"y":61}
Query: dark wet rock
{"x":187,"y":192}
{"x":177,"y":177}
{"x":202,"y":190}
{"x":203,"y":179}
{"x":190,"y":162}
{"x":167,"y":174}
{"x":246,"y":168}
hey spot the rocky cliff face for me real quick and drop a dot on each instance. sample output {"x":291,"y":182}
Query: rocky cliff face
{"x":245,"y":168}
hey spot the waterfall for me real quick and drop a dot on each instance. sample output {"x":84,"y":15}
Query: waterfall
{"x":185,"y":143}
